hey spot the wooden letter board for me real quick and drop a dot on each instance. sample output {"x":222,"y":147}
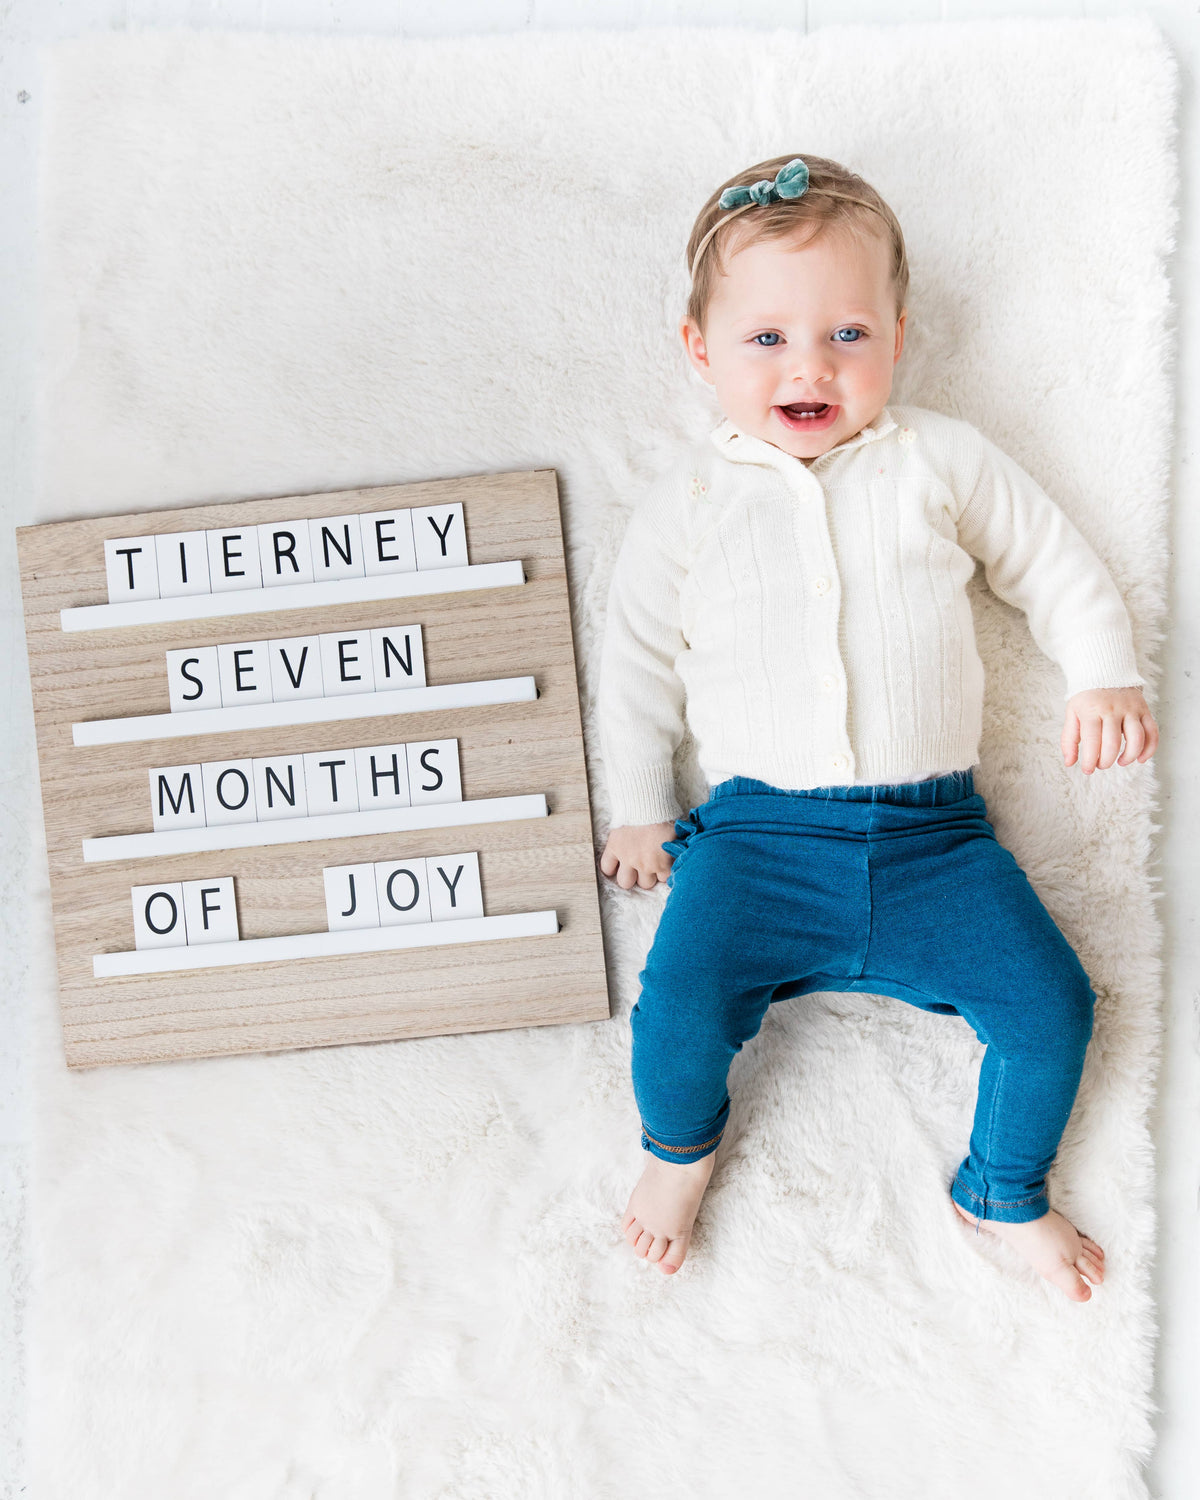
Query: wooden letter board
{"x":505,"y":750}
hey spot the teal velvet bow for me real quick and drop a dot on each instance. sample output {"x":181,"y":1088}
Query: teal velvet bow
{"x":790,"y":182}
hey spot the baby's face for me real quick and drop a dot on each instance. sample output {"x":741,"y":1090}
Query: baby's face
{"x":794,"y":323}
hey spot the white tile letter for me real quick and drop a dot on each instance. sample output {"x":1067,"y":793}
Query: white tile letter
{"x":194,"y":678}
{"x":295,"y":668}
{"x":403,"y":897}
{"x":336,"y":545}
{"x":439,"y":536}
{"x":346,"y":663}
{"x":433,"y":774}
{"x":233,"y":560}
{"x":228,"y":792}
{"x":350,"y":897}
{"x":454,"y":889}
{"x":210,"y":910}
{"x":330,"y":782}
{"x":398,"y":657}
{"x":279,"y":788}
{"x":182,"y":564}
{"x":158,"y":916}
{"x":382,"y":772}
{"x":387,"y":540}
{"x":283,"y":553}
{"x":131,"y":563}
{"x":245,"y":669}
{"x":177,"y":797}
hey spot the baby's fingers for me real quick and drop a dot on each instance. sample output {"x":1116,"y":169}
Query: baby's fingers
{"x":643,"y":876}
{"x":1151,"y":744}
{"x":1090,"y":735}
{"x":664,"y":867}
{"x":619,"y":871}
{"x":1069,"y":743}
{"x":1111,"y":744}
{"x":1135,"y":738}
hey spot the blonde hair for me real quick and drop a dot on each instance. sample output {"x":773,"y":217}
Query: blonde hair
{"x":835,"y":197}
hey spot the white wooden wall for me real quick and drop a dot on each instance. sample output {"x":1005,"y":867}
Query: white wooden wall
{"x":27,"y":24}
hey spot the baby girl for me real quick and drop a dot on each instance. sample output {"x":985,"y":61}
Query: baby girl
{"x":799,"y":582}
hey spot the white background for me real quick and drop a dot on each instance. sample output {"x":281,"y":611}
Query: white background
{"x":27,"y":24}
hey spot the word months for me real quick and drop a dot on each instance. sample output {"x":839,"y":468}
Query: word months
{"x":214,"y":794}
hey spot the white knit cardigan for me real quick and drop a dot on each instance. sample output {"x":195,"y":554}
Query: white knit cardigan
{"x":814,"y":619}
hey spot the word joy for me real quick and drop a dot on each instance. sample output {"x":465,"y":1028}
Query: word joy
{"x":275,"y":553}
{"x":392,"y":893}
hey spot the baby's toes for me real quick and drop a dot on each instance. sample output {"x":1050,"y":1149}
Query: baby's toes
{"x":673,"y":1259}
{"x":1068,"y":1280}
{"x":659,"y":1248}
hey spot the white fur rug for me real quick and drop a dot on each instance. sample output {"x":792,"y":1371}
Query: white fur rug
{"x":277,"y":265}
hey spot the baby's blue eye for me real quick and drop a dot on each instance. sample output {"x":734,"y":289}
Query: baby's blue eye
{"x":856,"y":337}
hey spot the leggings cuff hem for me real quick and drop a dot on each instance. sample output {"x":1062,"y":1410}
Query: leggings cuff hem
{"x":679,"y":1153}
{"x":1000,"y":1210}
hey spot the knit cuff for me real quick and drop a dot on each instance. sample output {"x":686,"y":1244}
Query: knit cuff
{"x":643,"y":796}
{"x":1100,"y":661}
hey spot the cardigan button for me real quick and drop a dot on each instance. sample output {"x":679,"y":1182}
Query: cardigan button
{"x":838,"y":762}
{"x":828,"y":682}
{"x":821,"y":585}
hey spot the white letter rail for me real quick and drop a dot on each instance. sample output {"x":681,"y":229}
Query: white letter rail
{"x":255,"y":601}
{"x":324,"y":944}
{"x":303,"y":830}
{"x":305,"y":711}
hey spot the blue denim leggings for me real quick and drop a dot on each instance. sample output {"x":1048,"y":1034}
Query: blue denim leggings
{"x":893,"y":890}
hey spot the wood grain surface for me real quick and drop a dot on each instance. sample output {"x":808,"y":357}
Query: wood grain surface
{"x":504,"y":750}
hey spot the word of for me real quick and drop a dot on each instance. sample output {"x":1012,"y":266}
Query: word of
{"x":214,"y":794}
{"x":306,"y":666}
{"x":395,"y":892}
{"x":190,"y":912}
{"x":282,"y":552}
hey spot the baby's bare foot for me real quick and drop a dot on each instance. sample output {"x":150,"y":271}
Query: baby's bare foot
{"x":662,"y":1209}
{"x":1053,"y":1247}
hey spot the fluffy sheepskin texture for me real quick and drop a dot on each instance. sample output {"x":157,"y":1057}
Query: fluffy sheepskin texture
{"x":277,"y":265}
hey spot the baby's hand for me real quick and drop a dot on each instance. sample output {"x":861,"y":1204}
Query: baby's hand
{"x":635,"y":855}
{"x":1095,"y":722}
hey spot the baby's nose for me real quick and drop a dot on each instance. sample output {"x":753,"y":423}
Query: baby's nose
{"x":807,"y":366}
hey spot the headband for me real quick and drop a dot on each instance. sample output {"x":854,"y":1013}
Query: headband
{"x":791,"y":181}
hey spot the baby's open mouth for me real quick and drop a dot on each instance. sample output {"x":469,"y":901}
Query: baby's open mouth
{"x":816,"y":415}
